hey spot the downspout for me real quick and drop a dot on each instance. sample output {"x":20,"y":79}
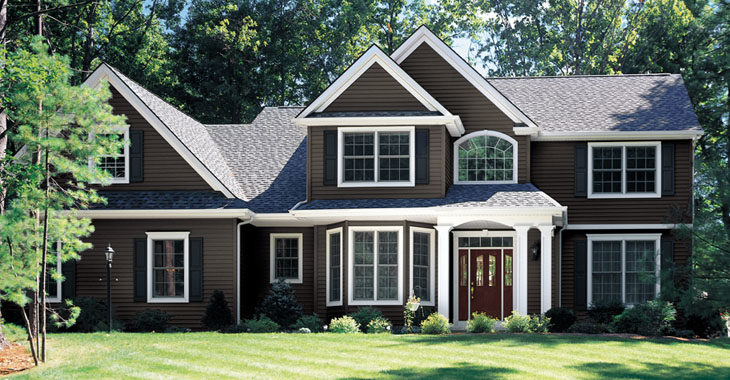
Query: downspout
{"x":239,"y":242}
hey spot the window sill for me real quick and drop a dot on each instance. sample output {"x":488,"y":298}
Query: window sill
{"x":288,"y":281}
{"x":167,"y":300}
{"x":335,"y":303}
{"x":624,"y":196}
{"x":377,"y":184}
{"x":376,"y":303}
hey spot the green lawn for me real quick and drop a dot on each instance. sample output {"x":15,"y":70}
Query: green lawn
{"x":288,"y":356}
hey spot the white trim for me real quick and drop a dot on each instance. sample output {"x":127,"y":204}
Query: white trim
{"x":623,"y":238}
{"x":453,"y":122}
{"x":624,"y":193}
{"x":152,"y":236}
{"x":337,"y":230}
{"x":163,"y":214}
{"x":431,"y":263}
{"x":59,"y":292}
{"x":424,"y":35}
{"x":272,"y":256}
{"x":125,"y":180}
{"x":444,"y":299}
{"x":376,"y":154}
{"x":351,"y":261}
{"x":622,"y":226}
{"x":485,"y":133}
{"x":546,"y":267}
{"x":104,"y":72}
{"x":525,"y":131}
{"x":613,"y":135}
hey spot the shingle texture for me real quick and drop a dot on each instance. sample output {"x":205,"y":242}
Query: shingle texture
{"x":375,"y":114}
{"x":167,"y":200}
{"x":491,"y":196}
{"x":656,"y":102}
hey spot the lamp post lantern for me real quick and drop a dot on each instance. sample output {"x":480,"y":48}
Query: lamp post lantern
{"x":109,"y":253}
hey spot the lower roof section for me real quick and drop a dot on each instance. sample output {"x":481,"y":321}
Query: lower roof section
{"x":167,"y":200}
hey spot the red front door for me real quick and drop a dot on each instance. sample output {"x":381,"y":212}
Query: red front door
{"x":486,"y":282}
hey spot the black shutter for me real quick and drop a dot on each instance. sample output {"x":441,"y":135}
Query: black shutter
{"x":136,"y":159}
{"x":667,"y":257}
{"x":581,"y":170}
{"x":580,"y":280}
{"x":422,"y":156}
{"x":68,"y":287}
{"x":196,"y":269}
{"x":667,"y":169}
{"x":140,"y":270}
{"x":330,"y":157}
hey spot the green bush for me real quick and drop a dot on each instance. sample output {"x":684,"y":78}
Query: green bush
{"x":421,"y":314}
{"x":177,"y":329}
{"x":517,"y":323}
{"x":13,"y":332}
{"x":561,"y":318}
{"x":379,"y":325}
{"x":344,"y":325}
{"x":94,"y":316}
{"x":262,"y":324}
{"x":364,"y":315}
{"x":311,"y":322}
{"x":435,"y":324}
{"x":604,"y":312}
{"x":234,"y":329}
{"x":589,"y":328}
{"x":218,"y":313}
{"x":652,"y":318}
{"x":151,"y":320}
{"x":280,"y":305}
{"x":480,"y":323}
{"x":539,"y":324}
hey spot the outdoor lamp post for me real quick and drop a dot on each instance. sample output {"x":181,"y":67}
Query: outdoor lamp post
{"x":109,"y":253}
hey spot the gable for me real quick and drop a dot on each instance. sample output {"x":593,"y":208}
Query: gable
{"x":375,"y":90}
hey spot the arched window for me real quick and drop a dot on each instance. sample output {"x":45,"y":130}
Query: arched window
{"x":485,"y":157}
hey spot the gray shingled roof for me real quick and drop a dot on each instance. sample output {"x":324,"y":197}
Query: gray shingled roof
{"x":657,"y":102}
{"x":167,"y":200}
{"x":374,"y":113}
{"x":189,"y":131}
{"x":268,"y":158}
{"x":490,"y":196}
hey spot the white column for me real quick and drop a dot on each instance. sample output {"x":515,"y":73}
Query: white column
{"x":442,"y":257}
{"x":546,"y":267}
{"x":519,"y":290}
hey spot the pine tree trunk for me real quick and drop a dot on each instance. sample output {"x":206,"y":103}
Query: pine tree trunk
{"x":30,"y":337}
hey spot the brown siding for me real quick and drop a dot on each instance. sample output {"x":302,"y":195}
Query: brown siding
{"x":553,"y":172}
{"x":534,"y":288}
{"x":164,"y":168}
{"x":455,"y":93}
{"x":219,"y":258}
{"x":434,"y":189}
{"x":375,"y":90}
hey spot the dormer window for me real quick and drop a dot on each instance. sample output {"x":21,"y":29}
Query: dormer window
{"x":382,"y":156}
{"x":485,"y":157}
{"x":117,"y":165}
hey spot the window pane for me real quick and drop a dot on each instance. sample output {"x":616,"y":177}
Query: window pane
{"x":359,"y":157}
{"x":286,"y":254}
{"x":168,"y":260}
{"x":394,"y":156}
{"x":606,"y":271}
{"x":640,"y":169}
{"x":387,"y":265}
{"x":485,"y":158}
{"x":334,"y":269}
{"x":607,"y":169}
{"x":364,"y":253}
{"x":492,"y":269}
{"x":464,"y":271}
{"x":640,"y":271}
{"x":114,"y":164}
{"x":480,"y":270}
{"x":421,"y":272}
{"x":507,"y":270}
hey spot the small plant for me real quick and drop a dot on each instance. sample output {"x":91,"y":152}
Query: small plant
{"x":93,"y":315}
{"x":517,"y":323}
{"x":379,"y":325}
{"x":151,"y":320}
{"x":13,"y":332}
{"x":344,"y":325}
{"x":409,"y":312}
{"x":604,"y":312}
{"x":364,"y":315}
{"x":480,"y":323}
{"x":435,"y":324}
{"x":262,"y":324}
{"x":235,"y":329}
{"x":176,"y":329}
{"x":589,"y":328}
{"x":311,"y":322}
{"x":218,"y":313}
{"x":561,"y":318}
{"x":539,"y":324}
{"x":652,"y":318}
{"x":281,"y":304}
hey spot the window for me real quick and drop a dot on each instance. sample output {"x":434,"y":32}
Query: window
{"x":623,"y":268}
{"x":167,"y":266}
{"x":376,"y":265}
{"x":507,"y":270}
{"x":53,"y":287}
{"x":423,"y":270}
{"x":624,"y":169}
{"x":334,"y":267}
{"x":286,"y":258}
{"x":485,"y":157}
{"x":480,"y":270}
{"x":383,"y":156}
{"x":117,"y":165}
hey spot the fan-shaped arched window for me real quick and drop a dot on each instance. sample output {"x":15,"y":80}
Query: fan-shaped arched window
{"x":485,"y":157}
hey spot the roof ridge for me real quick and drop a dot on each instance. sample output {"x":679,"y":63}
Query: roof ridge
{"x":583,"y":76}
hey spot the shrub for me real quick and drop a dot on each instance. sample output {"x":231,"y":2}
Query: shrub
{"x":365,"y":315}
{"x":262,"y":324}
{"x":151,"y":320}
{"x":435,"y":324}
{"x":480,"y":323}
{"x":280,"y":305}
{"x":234,"y":329}
{"x":561,"y":318}
{"x":539,"y":324}
{"x":304,"y":330}
{"x":13,"y":332}
{"x":218,"y":313}
{"x":176,"y":329}
{"x":344,"y":325}
{"x":517,"y":323}
{"x":94,"y":316}
{"x":421,"y":314}
{"x":651,"y":318}
{"x":604,"y":312}
{"x":688,"y":334}
{"x":589,"y":328}
{"x":379,"y":325}
{"x":311,"y":322}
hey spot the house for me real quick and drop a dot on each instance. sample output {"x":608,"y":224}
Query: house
{"x":410,"y":173}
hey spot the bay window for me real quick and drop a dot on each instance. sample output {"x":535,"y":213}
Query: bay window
{"x":376,"y":265}
{"x":423,"y":269}
{"x":382,"y":156}
{"x":334,"y":267}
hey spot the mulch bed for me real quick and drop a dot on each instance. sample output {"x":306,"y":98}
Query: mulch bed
{"x":15,"y":359}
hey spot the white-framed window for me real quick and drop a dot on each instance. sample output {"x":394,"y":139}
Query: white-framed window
{"x":334,"y":267}
{"x":285,"y":257}
{"x":375,"y":265}
{"x":623,"y":268}
{"x":377,"y":156}
{"x":624,"y":170}
{"x":117,"y":165}
{"x":168,"y":264}
{"x":423,"y":268}
{"x":53,"y":287}
{"x":485,"y":157}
